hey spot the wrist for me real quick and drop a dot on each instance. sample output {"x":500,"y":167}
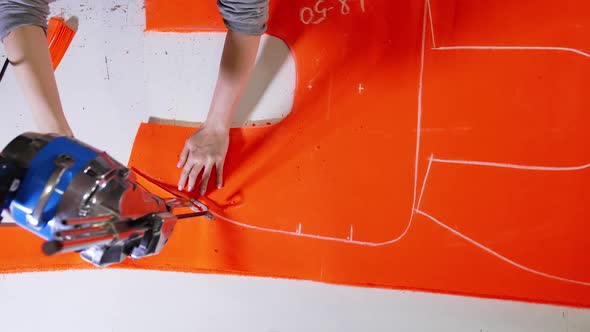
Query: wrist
{"x":217,"y":125}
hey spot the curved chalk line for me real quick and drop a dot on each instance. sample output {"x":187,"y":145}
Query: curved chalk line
{"x":498,"y":255}
{"x":415,"y":207}
{"x":350,"y":240}
{"x":512,"y":166}
{"x":431,"y":23}
{"x":420,"y":212}
{"x":501,"y":165}
{"x":500,"y":47}
{"x":514,"y":48}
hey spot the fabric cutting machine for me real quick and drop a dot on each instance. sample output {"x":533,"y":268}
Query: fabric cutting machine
{"x":79,"y":199}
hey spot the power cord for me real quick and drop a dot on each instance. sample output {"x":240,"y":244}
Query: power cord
{"x":4,"y":69}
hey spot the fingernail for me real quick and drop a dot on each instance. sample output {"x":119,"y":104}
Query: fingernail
{"x":190,"y":188}
{"x":180,"y":188}
{"x":219,"y":186}
{"x":202,"y":192}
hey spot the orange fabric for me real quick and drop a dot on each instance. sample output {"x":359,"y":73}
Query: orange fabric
{"x":59,"y":37}
{"x":345,"y":157}
{"x":409,"y":160}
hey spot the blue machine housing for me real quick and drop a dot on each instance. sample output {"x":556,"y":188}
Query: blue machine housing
{"x":37,"y":176}
{"x":10,"y":176}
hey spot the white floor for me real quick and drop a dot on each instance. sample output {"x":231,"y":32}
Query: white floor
{"x":113,"y":300}
{"x":113,"y":77}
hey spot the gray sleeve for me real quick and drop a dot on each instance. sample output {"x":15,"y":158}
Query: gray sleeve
{"x":18,"y":13}
{"x":246,"y":16}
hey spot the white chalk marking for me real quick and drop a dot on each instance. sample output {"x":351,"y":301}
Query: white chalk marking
{"x":500,"y":256}
{"x":344,"y":8}
{"x":431,"y":23}
{"x":352,"y":241}
{"x":297,"y":233}
{"x":302,"y":15}
{"x":324,"y":11}
{"x":424,"y":182}
{"x":514,"y":48}
{"x":329,"y":108}
{"x":419,"y":120}
{"x":307,"y":14}
{"x":513,"y":166}
{"x":415,"y":208}
{"x":361,"y":88}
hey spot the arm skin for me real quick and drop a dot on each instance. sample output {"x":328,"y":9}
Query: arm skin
{"x":27,"y":50}
{"x":208,"y":146}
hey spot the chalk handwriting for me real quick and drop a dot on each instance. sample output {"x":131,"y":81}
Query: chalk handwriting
{"x":318,"y":13}
{"x":345,"y":8}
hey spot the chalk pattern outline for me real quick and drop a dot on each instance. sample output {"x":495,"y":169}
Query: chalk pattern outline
{"x":499,"y":47}
{"x":416,"y":205}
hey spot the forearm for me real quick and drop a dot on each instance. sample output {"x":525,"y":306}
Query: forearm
{"x":237,"y":61}
{"x":27,"y":50}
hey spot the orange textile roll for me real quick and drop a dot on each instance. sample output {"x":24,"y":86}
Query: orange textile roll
{"x":59,"y":37}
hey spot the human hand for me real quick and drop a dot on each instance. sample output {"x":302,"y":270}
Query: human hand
{"x":205,"y":148}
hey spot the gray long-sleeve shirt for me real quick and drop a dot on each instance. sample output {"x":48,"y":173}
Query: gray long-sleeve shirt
{"x":246,"y":16}
{"x":18,"y":13}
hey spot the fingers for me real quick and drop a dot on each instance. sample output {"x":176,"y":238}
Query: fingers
{"x":182,"y":162}
{"x":205,"y":178}
{"x":189,"y":173}
{"x":183,"y":156}
{"x":219,"y":168}
{"x":201,"y":152}
{"x":193,"y":174}
{"x":184,"y":176}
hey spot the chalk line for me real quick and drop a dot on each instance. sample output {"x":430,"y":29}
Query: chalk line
{"x":424,"y":182}
{"x":501,"y":47}
{"x":298,"y":233}
{"x":420,"y":212}
{"x":419,"y":119}
{"x":513,"y":166}
{"x":500,"y":256}
{"x":514,"y":48}
{"x":415,"y":207}
{"x":431,"y":23}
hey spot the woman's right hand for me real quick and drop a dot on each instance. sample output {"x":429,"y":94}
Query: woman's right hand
{"x":206,"y":148}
